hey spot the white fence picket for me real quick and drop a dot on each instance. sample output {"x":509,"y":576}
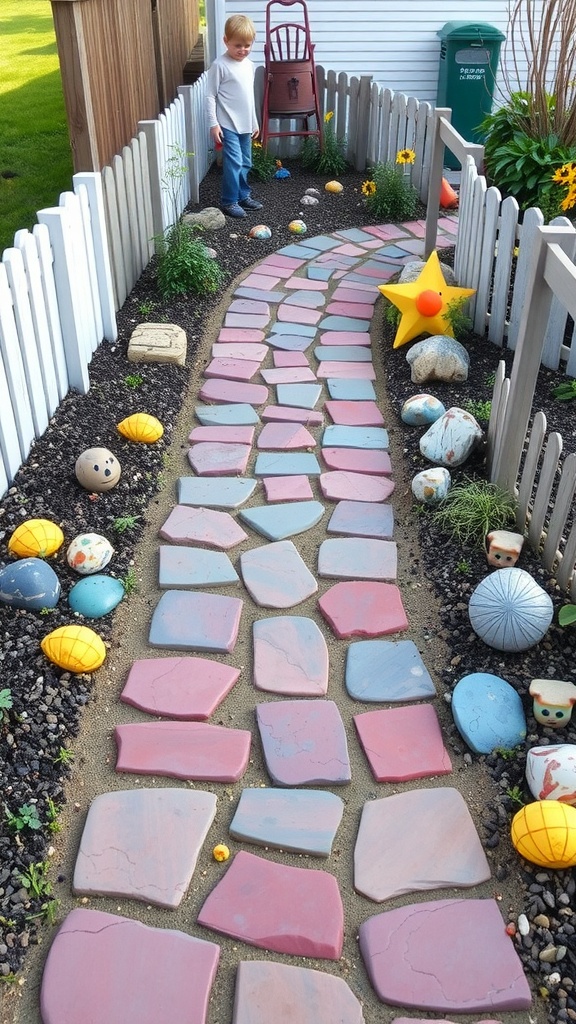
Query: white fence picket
{"x":561,"y":510}
{"x":46,"y":263}
{"x":16,"y":274}
{"x":492,"y":200}
{"x":101,"y":271}
{"x":502,"y":268}
{"x":14,"y":367}
{"x":9,"y":442}
{"x":26,"y":243}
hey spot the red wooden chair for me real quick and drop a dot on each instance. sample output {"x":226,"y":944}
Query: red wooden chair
{"x":290,"y":89}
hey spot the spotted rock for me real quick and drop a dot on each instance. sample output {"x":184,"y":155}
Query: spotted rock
{"x":88,"y":553}
{"x":451,"y":439}
{"x":551,"y":772}
{"x":431,"y":485}
{"x":421,"y":409}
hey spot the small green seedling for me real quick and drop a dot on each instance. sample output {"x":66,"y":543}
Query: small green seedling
{"x":516,"y":795}
{"x":8,"y":979}
{"x":567,"y":615}
{"x":478,"y":409}
{"x":565,"y":391}
{"x":48,"y":912}
{"x":47,"y":611}
{"x":463,"y":566}
{"x":130,"y":582}
{"x":26,"y":817}
{"x":147,"y":307}
{"x":35,"y":880}
{"x":64,"y":756}
{"x":52,"y":813}
{"x":123,"y":523}
{"x":455,"y":316}
{"x":133,"y":380}
{"x":5,"y":703}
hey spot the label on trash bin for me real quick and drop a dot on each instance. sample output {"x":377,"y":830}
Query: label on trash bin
{"x":472,"y":64}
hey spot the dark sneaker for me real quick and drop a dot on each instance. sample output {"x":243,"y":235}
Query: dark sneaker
{"x":250,"y":204}
{"x":234,"y":210}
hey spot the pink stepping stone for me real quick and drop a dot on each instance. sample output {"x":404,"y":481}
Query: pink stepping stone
{"x":305,"y":285}
{"x":189,"y":525}
{"x":280,"y":358}
{"x":289,"y":414}
{"x":210,"y":458}
{"x":240,"y":335}
{"x":291,"y":263}
{"x":304,"y":742}
{"x":350,"y":293}
{"x":342,"y":371}
{"x":364,"y":310}
{"x":281,"y":993}
{"x":237,"y":350}
{"x":246,"y":321}
{"x":264,"y":281}
{"x":275,"y":575}
{"x":186,"y":688}
{"x":349,"y":250}
{"x":288,"y":375}
{"x":444,"y":955}
{"x":283,"y":436}
{"x":249,"y":306}
{"x":143,"y":843}
{"x":357,"y":558}
{"x":232,"y":369}
{"x":339,"y":485}
{"x":232,"y":391}
{"x":345,"y":338}
{"x":355,"y":414}
{"x":424,"y":839}
{"x":255,"y":902}
{"x":298,"y":314}
{"x":183,"y":750}
{"x":149,"y":972}
{"x":287,"y":488}
{"x":357,"y":460}
{"x":290,"y":656}
{"x":403,"y":743}
{"x":355,"y":608}
{"x":223,"y":435}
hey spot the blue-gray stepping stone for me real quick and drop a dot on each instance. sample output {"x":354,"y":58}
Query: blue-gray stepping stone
{"x":387,"y":670}
{"x":337,"y":436}
{"x":302,"y":396}
{"x":290,"y":656}
{"x":356,"y":235}
{"x":287,"y":464}
{"x":302,"y":330}
{"x":275,"y":576}
{"x":306,"y":299}
{"x":214,"y":492}
{"x":298,"y":820}
{"x":350,"y":390}
{"x":194,"y":567}
{"x":323,"y":242}
{"x":237,"y":414}
{"x":196,"y":621}
{"x":304,"y":742}
{"x":259,"y":293}
{"x":289,"y":342}
{"x":362,"y":519}
{"x":393,"y":251}
{"x":278,"y":521}
{"x":344,"y":353}
{"x":357,"y":558}
{"x":299,"y":250}
{"x":29,"y":583}
{"x":488,"y":712}
{"x":319,"y":273}
{"x":343,"y":323}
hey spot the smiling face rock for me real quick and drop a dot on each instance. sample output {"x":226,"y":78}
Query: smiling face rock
{"x":97,"y":469}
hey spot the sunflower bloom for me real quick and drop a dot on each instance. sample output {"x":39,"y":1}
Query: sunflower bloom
{"x":257,"y":145}
{"x":328,"y":116}
{"x":570,"y":199}
{"x":368,"y":188}
{"x":405,"y":156}
{"x":562,"y":175}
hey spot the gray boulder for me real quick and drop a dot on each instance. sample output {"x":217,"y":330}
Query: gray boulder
{"x":438,"y":358}
{"x":210,"y":218}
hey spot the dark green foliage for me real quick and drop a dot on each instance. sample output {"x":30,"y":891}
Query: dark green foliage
{"x":263,"y":163}
{"x":185,"y":265}
{"x":394,"y":198}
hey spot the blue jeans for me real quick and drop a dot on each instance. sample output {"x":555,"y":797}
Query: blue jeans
{"x":236,"y":162}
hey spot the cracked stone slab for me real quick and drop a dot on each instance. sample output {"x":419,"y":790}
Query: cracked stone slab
{"x":149,"y":972}
{"x":277,"y":522}
{"x":474,"y":969}
{"x":362,"y":519}
{"x":254,"y":902}
{"x":403,"y":743}
{"x":387,"y":671}
{"x":181,"y":566}
{"x":351,"y":389}
{"x":276,"y":575}
{"x":214,"y":492}
{"x":285,"y":436}
{"x":358,"y":558}
{"x":196,"y":621}
{"x":290,"y":656}
{"x":363,"y":608}
{"x":240,"y":350}
{"x":420,"y":840}
{"x":292,"y":414}
{"x":212,"y":458}
{"x":297,"y":820}
{"x":143,"y":844}
{"x":290,"y":342}
{"x":299,"y":395}
{"x":339,"y":484}
{"x":288,"y":375}
{"x":288,"y":463}
{"x":231,"y":369}
{"x":304,"y":742}
{"x":338,"y":436}
{"x":183,"y":750}
{"x":281,"y":993}
{"x":236,"y":413}
{"x":189,"y":525}
{"x":356,"y":460}
{"x":185,"y":688}
{"x":355,"y":414}
{"x":227,"y":391}
{"x":344,"y":371}
{"x":287,"y":488}
{"x":223,"y":435}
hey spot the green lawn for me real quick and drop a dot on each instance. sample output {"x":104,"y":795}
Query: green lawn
{"x":35,"y":157}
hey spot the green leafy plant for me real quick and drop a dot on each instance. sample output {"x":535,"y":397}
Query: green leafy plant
{"x":52,"y":813}
{"x":35,"y":881}
{"x":392,"y":315}
{"x":516,"y":795}
{"x":263,"y":163}
{"x":474,"y":507}
{"x":567,"y":615}
{"x":47,"y":611}
{"x":8,"y":979}
{"x":133,"y":380}
{"x":565,"y":392}
{"x":25,"y":817}
{"x":123,"y":523}
{"x":64,"y":756}
{"x":479,"y":409}
{"x":508,"y":753}
{"x":328,"y":156}
{"x":147,"y":307}
{"x":389,"y":194}
{"x":130,"y":582}
{"x":48,"y":912}
{"x":463,"y":566}
{"x":5,"y":703}
{"x":459,"y":321}
{"x":490,"y":379}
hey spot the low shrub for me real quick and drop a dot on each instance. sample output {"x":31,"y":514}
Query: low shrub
{"x":389,"y":193}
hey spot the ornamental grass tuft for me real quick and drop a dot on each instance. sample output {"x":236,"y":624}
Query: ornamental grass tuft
{"x":473,"y":508}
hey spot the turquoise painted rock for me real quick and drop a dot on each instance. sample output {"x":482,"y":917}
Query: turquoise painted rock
{"x":488,"y":712}
{"x":438,"y":358}
{"x":431,"y":485}
{"x":451,"y":439}
{"x":551,"y":772}
{"x":420,"y":410}
{"x":29,"y":583}
{"x":510,"y":611}
{"x":95,"y":596}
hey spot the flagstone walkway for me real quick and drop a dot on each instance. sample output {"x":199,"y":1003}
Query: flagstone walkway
{"x":286,"y":433}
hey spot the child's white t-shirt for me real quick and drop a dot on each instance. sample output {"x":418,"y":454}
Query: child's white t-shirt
{"x":230,"y":95}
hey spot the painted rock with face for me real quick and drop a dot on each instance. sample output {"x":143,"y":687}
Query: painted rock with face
{"x":97,"y":469}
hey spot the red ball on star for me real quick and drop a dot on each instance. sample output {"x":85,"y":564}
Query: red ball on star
{"x":428,"y":303}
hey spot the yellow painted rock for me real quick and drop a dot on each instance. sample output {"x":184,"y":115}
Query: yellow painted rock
{"x":221,"y":852}
{"x":333,"y":186}
{"x":141,"y":427}
{"x":297,"y":227}
{"x":545,"y":833}
{"x":36,"y":538}
{"x":74,"y":648}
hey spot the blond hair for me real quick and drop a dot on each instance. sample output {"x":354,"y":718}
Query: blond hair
{"x":239,"y":26}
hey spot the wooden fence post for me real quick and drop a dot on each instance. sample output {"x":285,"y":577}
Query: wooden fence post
{"x":435,"y":182}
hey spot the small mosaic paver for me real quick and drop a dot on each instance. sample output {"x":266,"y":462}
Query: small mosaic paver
{"x":292,"y":414}
{"x":344,"y":436}
{"x":234,"y":414}
{"x":340,"y":484}
{"x":474,"y":968}
{"x":249,"y":306}
{"x":186,"y":688}
{"x":240,"y":350}
{"x":344,"y":323}
{"x":281,"y":358}
{"x":355,"y":414}
{"x":362,"y":519}
{"x":143,"y":844}
{"x":103,"y":968}
{"x":246,"y":321}
{"x":387,"y":671}
{"x":354,"y":235}
{"x":267,"y":991}
{"x":357,"y":558}
{"x":264,"y":281}
{"x":227,"y":391}
{"x":316,"y":273}
{"x":189,"y":525}
{"x":298,"y":820}
{"x":299,"y":250}
{"x":305,"y":284}
{"x":297,"y":314}
{"x":214,"y":492}
{"x":212,"y":458}
{"x":403,"y":743}
{"x":231,"y":369}
{"x":350,"y":390}
{"x":290,"y":261}
{"x":196,"y":621}
{"x":363,"y":608}
{"x":351,"y":293}
{"x":285,"y":436}
{"x":288,"y":375}
{"x":343,"y":370}
{"x":343,"y":353}
{"x":298,"y":395}
{"x":240,"y":334}
{"x":289,"y":342}
{"x":301,"y":330}
{"x":194,"y":567}
{"x":304,"y":742}
{"x":266,"y":295}
{"x":345,"y":338}
{"x":254,"y":901}
{"x":322,"y":242}
{"x":287,"y":488}
{"x":286,"y":464}
{"x":183,"y":750}
{"x":276,"y":522}
{"x":373,"y":461}
{"x":223,"y":435}
{"x":290,"y":656}
{"x":276,"y":575}
{"x":306,"y":298}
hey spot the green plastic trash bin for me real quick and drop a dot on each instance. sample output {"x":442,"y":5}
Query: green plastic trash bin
{"x":469,"y":54}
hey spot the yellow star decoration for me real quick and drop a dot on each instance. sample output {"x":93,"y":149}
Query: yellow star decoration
{"x":424,"y":302}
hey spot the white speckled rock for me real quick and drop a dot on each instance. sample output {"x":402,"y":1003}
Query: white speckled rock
{"x":510,"y":611}
{"x":551,"y":773}
{"x":411,"y":272}
{"x":308,"y":200}
{"x":431,"y":485}
{"x":451,"y":439}
{"x":210,"y":218}
{"x":438,"y":358}
{"x":420,"y":410}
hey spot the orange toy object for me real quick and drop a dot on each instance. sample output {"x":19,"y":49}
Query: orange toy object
{"x":423,"y":302}
{"x":448,"y":197}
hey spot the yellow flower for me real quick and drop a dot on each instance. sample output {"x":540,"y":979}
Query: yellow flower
{"x":570,"y":199}
{"x":221,"y":852}
{"x":368,"y":188}
{"x":405,"y":156}
{"x":257,"y":145}
{"x":328,"y":116}
{"x":562,"y":174}
{"x":278,"y":163}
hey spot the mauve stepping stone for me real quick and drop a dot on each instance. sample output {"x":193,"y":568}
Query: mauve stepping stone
{"x":410,"y":842}
{"x":211,"y":458}
{"x":233,"y":391}
{"x":359,"y":309}
{"x":232,"y":369}
{"x":259,"y":293}
{"x":290,"y":261}
{"x":349,"y":293}
{"x":287,"y":488}
{"x":246,"y":321}
{"x":289,"y":342}
{"x":264,"y":281}
{"x":279,"y":992}
{"x":306,"y":285}
{"x":249,"y":306}
{"x":355,"y":486}
{"x":302,"y":396}
{"x":337,"y":436}
{"x":196,"y":621}
{"x":304,"y":742}
{"x":363,"y":608}
{"x":292,"y":414}
{"x":387,"y":671}
{"x":239,"y":350}
{"x":276,"y":522}
{"x":344,"y":323}
{"x":290,"y":656}
{"x":286,"y":464}
{"x":186,"y":688}
{"x":223,"y":435}
{"x":353,"y":460}
{"x":189,"y":525}
{"x":218,"y":415}
{"x":298,"y":820}
{"x":345,"y":338}
{"x":289,"y":359}
{"x":343,"y":353}
{"x":302,"y":330}
{"x":403,"y":743}
{"x":275,"y":576}
{"x":194,"y":567}
{"x":350,"y":390}
{"x":362,"y":519}
{"x":297,"y":314}
{"x":279,"y":436}
{"x":183,"y":750}
{"x":255,"y":902}
{"x":335,"y":370}
{"x":149,"y":973}
{"x":444,"y":955}
{"x":288,"y":375}
{"x":143,"y":843}
{"x":356,"y":558}
{"x":355,"y":414}
{"x":238,"y":334}
{"x":214,"y":492}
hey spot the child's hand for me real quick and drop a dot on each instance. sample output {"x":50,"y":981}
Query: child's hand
{"x":255,"y":133}
{"x":216,"y":135}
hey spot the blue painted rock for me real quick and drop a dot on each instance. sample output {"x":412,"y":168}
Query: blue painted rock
{"x":510,"y":611}
{"x":551,"y":772}
{"x":29,"y":583}
{"x":438,"y":358}
{"x":420,"y":410}
{"x":451,"y":439}
{"x":488,"y":713}
{"x":260,"y":231}
{"x":95,"y":596}
{"x":431,"y":485}
{"x":88,"y":553}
